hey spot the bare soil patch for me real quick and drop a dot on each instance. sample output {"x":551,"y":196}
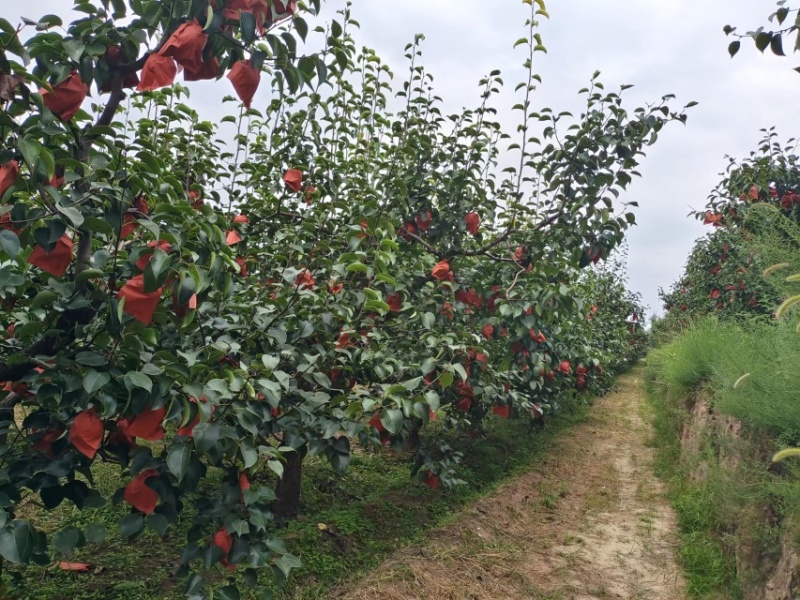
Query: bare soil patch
{"x":590,"y":523}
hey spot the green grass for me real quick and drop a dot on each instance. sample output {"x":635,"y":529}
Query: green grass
{"x":688,"y":361}
{"x":349,"y":523}
{"x":762,"y":357}
{"x":708,"y":563}
{"x":734,"y":502}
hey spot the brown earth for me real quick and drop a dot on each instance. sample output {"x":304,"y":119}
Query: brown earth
{"x":590,"y":523}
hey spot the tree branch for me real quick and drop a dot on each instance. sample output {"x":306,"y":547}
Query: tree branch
{"x":485,"y":248}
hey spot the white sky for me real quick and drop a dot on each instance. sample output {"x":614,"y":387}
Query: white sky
{"x":660,"y":46}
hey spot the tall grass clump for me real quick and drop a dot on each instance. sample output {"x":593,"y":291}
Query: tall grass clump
{"x":751,"y":369}
{"x":758,"y":378}
{"x":688,"y":361}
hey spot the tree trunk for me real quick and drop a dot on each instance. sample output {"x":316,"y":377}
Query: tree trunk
{"x":287,"y":503}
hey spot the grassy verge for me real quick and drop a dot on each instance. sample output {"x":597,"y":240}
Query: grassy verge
{"x":349,"y":523}
{"x":704,"y":552}
{"x":729,"y":500}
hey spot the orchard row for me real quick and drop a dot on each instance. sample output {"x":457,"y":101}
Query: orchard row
{"x":350,"y":267}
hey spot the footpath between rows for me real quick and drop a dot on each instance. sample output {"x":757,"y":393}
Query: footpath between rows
{"x":591,"y":522}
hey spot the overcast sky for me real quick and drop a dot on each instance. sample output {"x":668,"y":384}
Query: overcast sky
{"x":659,"y":46}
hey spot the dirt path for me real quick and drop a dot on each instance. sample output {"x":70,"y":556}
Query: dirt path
{"x":590,"y":523}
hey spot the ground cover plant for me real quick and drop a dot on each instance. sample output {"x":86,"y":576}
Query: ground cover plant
{"x":729,"y":500}
{"x":200,"y":317}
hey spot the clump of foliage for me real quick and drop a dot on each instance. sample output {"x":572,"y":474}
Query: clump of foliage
{"x":730,"y":272}
{"x":786,"y":21}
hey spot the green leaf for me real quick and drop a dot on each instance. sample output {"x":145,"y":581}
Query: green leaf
{"x":378,"y":306}
{"x":209,"y":17}
{"x":270,"y":362}
{"x":131,"y":525}
{"x":151,"y":369}
{"x":301,"y":27}
{"x":412,"y":384}
{"x":206,"y":436}
{"x":158,"y":264}
{"x":322,"y":69}
{"x":763,"y":40}
{"x":72,"y":213}
{"x":194,"y":585}
{"x":395,"y":388}
{"x":178,"y":460}
{"x":89,"y":274}
{"x":66,"y":540}
{"x":95,"y":533}
{"x":158,"y":523}
{"x":228,"y":592}
{"x":150,"y":226}
{"x":9,"y":242}
{"x":249,"y":455}
{"x":44,"y":298}
{"x":287,"y":562}
{"x":433,"y":400}
{"x":458,"y":368}
{"x":776,"y":45}
{"x":251,"y":577}
{"x":276,"y":467}
{"x":278,"y":335}
{"x":49,"y":162}
{"x":733,"y":48}
{"x":98,"y":225}
{"x":17,"y":542}
{"x":93,"y":381}
{"x":446,"y":379}
{"x":357,"y":267}
{"x":74,"y":48}
{"x":29,"y":149}
{"x":339,"y":455}
{"x":120,"y":8}
{"x":248,"y":26}
{"x":186,"y":289}
{"x":91,"y":359}
{"x":392,"y":419}
{"x":139,"y":380}
{"x":306,"y":329}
